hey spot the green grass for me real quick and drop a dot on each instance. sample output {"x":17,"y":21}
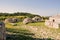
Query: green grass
{"x":19,"y":32}
{"x":36,"y":24}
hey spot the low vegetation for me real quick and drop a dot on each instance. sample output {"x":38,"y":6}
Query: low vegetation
{"x":31,"y":31}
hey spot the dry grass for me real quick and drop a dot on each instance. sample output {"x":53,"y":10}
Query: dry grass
{"x":33,"y":30}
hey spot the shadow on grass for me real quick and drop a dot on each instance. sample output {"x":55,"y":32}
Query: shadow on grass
{"x":18,"y":37}
{"x":25,"y":36}
{"x":22,"y":35}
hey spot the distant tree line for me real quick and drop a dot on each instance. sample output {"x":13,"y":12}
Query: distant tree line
{"x":19,"y":14}
{"x":3,"y":16}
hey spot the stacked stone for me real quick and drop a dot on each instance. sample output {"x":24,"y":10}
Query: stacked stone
{"x":32,"y":20}
{"x":8,"y":20}
{"x":36,"y":19}
{"x":12,"y":20}
{"x":27,"y":20}
{"x":2,"y":31}
{"x":53,"y":21}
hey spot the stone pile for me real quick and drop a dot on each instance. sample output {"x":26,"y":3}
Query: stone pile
{"x":32,"y":20}
{"x":2,"y":31}
{"x":53,"y":22}
{"x":12,"y":20}
{"x":36,"y":19}
{"x":27,"y":20}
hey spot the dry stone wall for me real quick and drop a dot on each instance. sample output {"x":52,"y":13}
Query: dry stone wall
{"x":53,"y":22}
{"x":2,"y":31}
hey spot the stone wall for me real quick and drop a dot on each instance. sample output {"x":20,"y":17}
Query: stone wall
{"x":51,"y":23}
{"x":2,"y":31}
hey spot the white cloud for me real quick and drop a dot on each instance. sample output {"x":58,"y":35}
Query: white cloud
{"x":40,"y":11}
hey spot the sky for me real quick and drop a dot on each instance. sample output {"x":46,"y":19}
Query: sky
{"x":40,"y":7}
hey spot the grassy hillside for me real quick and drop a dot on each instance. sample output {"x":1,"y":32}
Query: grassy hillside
{"x":31,"y":31}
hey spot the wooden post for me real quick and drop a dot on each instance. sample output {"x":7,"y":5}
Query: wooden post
{"x":2,"y":31}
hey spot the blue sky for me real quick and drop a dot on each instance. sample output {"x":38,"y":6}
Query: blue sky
{"x":41,"y":7}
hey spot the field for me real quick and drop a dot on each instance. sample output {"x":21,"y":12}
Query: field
{"x":31,"y":31}
{"x":16,"y":30}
